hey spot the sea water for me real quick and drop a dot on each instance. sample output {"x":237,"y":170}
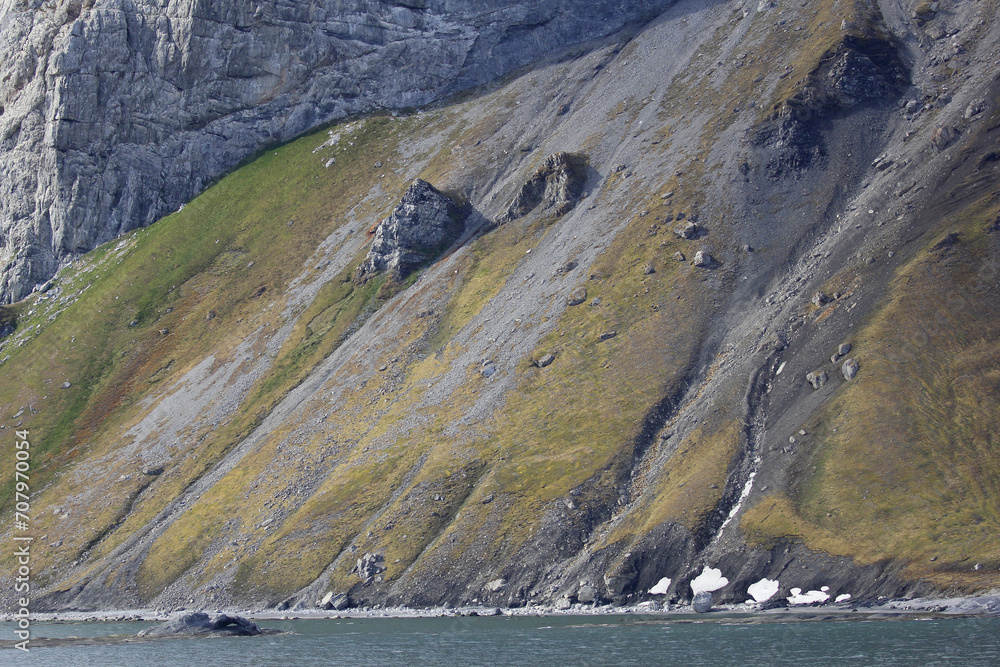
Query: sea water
{"x":559,"y":640}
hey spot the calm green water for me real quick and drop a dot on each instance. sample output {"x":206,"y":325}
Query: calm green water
{"x":608,"y":640}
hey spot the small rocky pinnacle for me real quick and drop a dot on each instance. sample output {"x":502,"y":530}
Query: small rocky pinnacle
{"x":423,"y":224}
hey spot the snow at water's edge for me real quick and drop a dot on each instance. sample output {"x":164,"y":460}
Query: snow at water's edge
{"x":661,"y":587}
{"x":763,"y":590}
{"x":709,"y":580}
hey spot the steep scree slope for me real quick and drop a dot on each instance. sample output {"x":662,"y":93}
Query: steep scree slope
{"x":564,"y":405}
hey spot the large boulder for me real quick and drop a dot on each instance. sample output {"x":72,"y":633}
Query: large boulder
{"x":586,"y":594}
{"x":335,"y":601}
{"x":817,"y":378}
{"x":702,"y":602}
{"x":421,"y":227}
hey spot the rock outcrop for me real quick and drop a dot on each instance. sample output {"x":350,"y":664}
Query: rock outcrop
{"x":369,"y":566}
{"x":421,"y":226}
{"x":555,"y":187}
{"x":863,"y":68}
{"x":115,"y":113}
{"x":199,"y":623}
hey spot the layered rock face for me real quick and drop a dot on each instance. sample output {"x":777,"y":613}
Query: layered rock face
{"x":114,"y":113}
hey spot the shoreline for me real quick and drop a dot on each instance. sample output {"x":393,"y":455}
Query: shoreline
{"x":984,"y":605}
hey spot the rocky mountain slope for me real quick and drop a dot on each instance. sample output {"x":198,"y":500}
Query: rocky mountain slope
{"x":719,"y":291}
{"x":113,"y":113}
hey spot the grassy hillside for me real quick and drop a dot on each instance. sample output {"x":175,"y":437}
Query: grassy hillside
{"x":219,"y":413}
{"x":905,"y":460}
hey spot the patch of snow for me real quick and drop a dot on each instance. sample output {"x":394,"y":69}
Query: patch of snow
{"x":798,"y":597}
{"x":763,"y":590}
{"x":661,"y":587}
{"x":743,"y":496}
{"x":709,"y":580}
{"x":780,"y":368}
{"x":843,"y":597}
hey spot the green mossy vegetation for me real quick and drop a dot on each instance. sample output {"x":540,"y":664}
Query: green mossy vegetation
{"x":912,"y":441}
{"x":149,"y":305}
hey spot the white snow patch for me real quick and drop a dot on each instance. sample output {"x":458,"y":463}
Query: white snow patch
{"x":709,"y":580}
{"x":843,"y":597}
{"x":661,"y":587}
{"x":743,"y":496}
{"x":763,"y":590}
{"x":780,"y":368}
{"x":798,"y":597}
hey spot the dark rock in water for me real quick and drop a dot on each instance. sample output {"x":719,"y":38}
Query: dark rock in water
{"x":422,"y":225}
{"x":200,"y":623}
{"x":556,"y":185}
{"x":702,"y":602}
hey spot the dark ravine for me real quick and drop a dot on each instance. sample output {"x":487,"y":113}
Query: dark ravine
{"x":464,"y":354}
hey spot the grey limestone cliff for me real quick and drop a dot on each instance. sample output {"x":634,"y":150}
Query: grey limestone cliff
{"x":116,"y":112}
